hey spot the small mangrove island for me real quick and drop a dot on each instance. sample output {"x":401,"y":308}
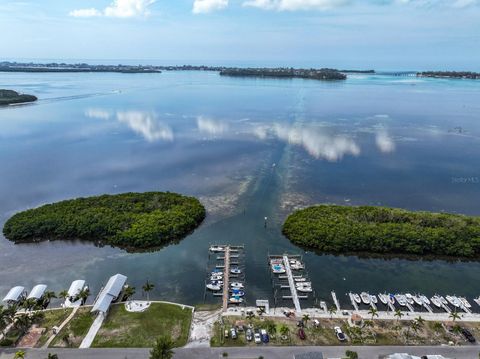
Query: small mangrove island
{"x":133,"y":221}
{"x":450,"y":74}
{"x":383,"y":230}
{"x":314,"y":74}
{"x":10,"y":97}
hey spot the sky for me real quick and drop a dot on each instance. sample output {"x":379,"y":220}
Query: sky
{"x":360,"y":34}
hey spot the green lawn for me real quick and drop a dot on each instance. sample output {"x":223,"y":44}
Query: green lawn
{"x":52,"y":318}
{"x":74,"y":332}
{"x":123,"y":329}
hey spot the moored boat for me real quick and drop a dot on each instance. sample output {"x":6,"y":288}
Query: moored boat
{"x":217,"y":249}
{"x":464,"y":302}
{"x":424,"y":299}
{"x":409,"y":298}
{"x":477,"y":300}
{"x":356,"y":298}
{"x":436,"y":301}
{"x":401,"y":299}
{"x":383,"y":298}
{"x":454,"y":301}
{"x":235,"y":300}
{"x":236,"y":285}
{"x":235,"y":270}
{"x":365,"y":298}
{"x":417,"y":300}
{"x":373,"y":299}
{"x":214,"y":286}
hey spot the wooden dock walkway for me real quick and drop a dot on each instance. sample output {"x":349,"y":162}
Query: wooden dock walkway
{"x":226,"y":277}
{"x":291,"y":282}
{"x":335,"y":300}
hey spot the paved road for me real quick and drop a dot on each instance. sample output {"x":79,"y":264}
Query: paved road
{"x":466,"y":352}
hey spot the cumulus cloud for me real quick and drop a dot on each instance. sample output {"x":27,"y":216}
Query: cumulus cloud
{"x":210,"y":126}
{"x":292,"y":5}
{"x":118,"y":8}
{"x":206,"y":6}
{"x":146,"y":124}
{"x":384,"y":142}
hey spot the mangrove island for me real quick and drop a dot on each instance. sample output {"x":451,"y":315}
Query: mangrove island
{"x":450,"y":74}
{"x":382,"y":230}
{"x":130,"y":220}
{"x":10,"y":97}
{"x":314,"y":74}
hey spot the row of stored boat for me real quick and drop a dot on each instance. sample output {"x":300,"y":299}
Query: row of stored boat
{"x":412,"y":299}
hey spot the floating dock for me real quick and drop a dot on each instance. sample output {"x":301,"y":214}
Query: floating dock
{"x":226,"y":277}
{"x":291,"y":283}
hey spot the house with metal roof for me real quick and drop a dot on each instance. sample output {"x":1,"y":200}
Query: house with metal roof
{"x":37,"y":292}
{"x":14,"y":295}
{"x":109,"y":293}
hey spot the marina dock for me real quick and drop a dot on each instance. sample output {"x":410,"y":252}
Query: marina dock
{"x":226,"y":277}
{"x":291,"y":283}
{"x":335,"y":301}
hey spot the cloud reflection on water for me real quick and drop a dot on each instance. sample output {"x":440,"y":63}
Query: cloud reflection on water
{"x":384,"y":142}
{"x":211,"y":126}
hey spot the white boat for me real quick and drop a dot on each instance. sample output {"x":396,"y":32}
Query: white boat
{"x":383,"y":298}
{"x":235,"y":300}
{"x":356,"y":298}
{"x":295,"y":264}
{"x":409,"y":298}
{"x":214,"y":287}
{"x":365,"y":297}
{"x":278,"y":268}
{"x":217,"y":249}
{"x":477,"y":300}
{"x":465,"y":302}
{"x":373,"y":299}
{"x":235,"y":270}
{"x":401,"y":299}
{"x":215,"y":278}
{"x":424,"y":299}
{"x":436,"y":301}
{"x":300,"y":279}
{"x":236,"y":285}
{"x":453,"y":301}
{"x":443,"y":300}
{"x":417,"y":300}
{"x":304,"y":287}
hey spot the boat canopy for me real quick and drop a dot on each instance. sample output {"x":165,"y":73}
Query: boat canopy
{"x":14,"y":294}
{"x":109,"y":293}
{"x":37,"y":291}
{"x":76,"y":287}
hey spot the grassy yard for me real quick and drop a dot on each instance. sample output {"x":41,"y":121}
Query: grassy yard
{"x":378,"y":332}
{"x":52,"y":318}
{"x":73,"y":333}
{"x":124,"y":329}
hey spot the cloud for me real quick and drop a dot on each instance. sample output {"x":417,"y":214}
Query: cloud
{"x":206,"y":6}
{"x":118,"y":8}
{"x":146,"y":124}
{"x":292,"y":5}
{"x":384,"y":142}
{"x":92,"y":12}
{"x":210,"y":126}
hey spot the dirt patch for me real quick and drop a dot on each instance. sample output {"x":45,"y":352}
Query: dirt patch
{"x":31,"y":338}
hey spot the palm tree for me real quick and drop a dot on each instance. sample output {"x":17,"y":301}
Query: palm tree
{"x":437,"y":327}
{"x":63,"y":294}
{"x":47,"y":297}
{"x":398,"y":314}
{"x":454,"y":315}
{"x":332,"y":310}
{"x":28,"y":304}
{"x":261,"y":311}
{"x":84,"y":294}
{"x":272,"y":328}
{"x":284,"y":330}
{"x":420,"y":321}
{"x":147,"y":287}
{"x":128,"y":293}
{"x":23,"y":323}
{"x":20,"y":354}
{"x":306,"y":318}
{"x":52,"y":356}
{"x":250,"y":315}
{"x":373,"y":312}
{"x":162,"y":348}
{"x":415,"y":326}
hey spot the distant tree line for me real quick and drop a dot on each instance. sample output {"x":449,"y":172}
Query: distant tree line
{"x":450,"y":74}
{"x":341,"y":229}
{"x":316,"y":74}
{"x":129,"y":220}
{"x":9,"y":97}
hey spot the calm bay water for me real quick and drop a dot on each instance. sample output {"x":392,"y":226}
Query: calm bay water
{"x":249,"y":148}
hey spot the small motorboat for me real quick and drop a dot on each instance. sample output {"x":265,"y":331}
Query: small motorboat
{"x":235,"y":300}
{"x":238,"y":293}
{"x":443,"y":300}
{"x":295,"y":264}
{"x":424,"y":299}
{"x":436,"y":301}
{"x":454,"y":301}
{"x":373,"y":299}
{"x":464,"y":302}
{"x":417,"y":300}
{"x":278,"y":268}
{"x":217,"y":249}
{"x":357,"y":298}
{"x":214,"y":287}
{"x":304,"y":287}
{"x":235,"y":270}
{"x":301,"y":279}
{"x":401,"y":299}
{"x":409,"y":298}
{"x":365,"y":298}
{"x":216,"y":278}
{"x":236,"y":285}
{"x":383,"y":298}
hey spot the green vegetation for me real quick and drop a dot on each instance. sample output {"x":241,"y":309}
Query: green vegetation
{"x":162,"y":349}
{"x":123,"y":329}
{"x":129,"y":220}
{"x":314,"y":74}
{"x":9,"y":97}
{"x":450,"y":74}
{"x":72,"y":334}
{"x":52,"y":318}
{"x":340,"y":229}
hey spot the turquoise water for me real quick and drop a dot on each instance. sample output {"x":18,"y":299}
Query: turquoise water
{"x":249,"y":148}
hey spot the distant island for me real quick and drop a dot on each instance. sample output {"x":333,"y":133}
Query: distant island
{"x":132,"y":221}
{"x":321,"y":74}
{"x":10,"y":97}
{"x":383,"y":230}
{"x":450,"y":74}
{"x":358,"y":71}
{"x":62,"y":67}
